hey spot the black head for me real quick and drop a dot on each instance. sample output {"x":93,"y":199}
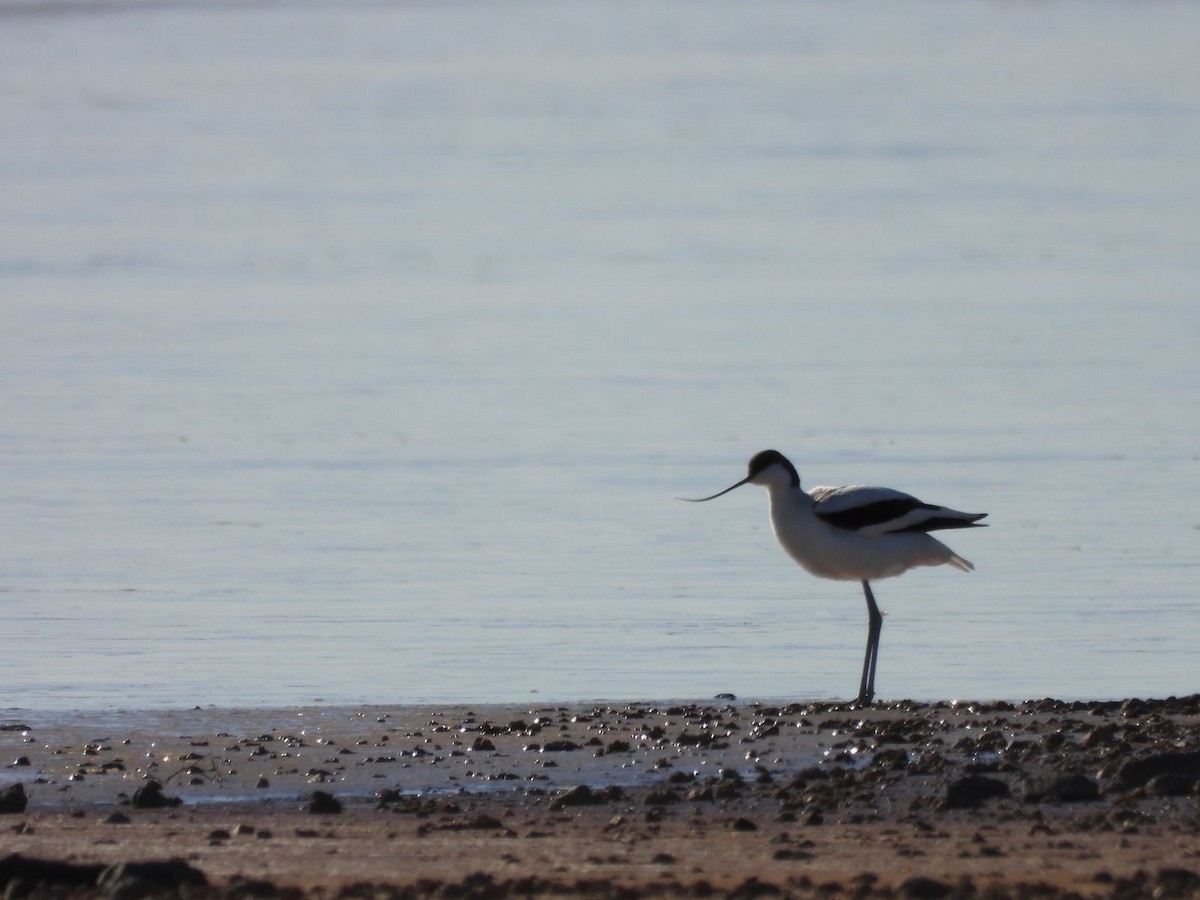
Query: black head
{"x":768,"y":458}
{"x":759,"y":464}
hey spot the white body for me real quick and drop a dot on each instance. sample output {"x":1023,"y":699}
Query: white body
{"x":863,"y":555}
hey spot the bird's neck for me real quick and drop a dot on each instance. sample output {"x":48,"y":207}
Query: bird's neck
{"x":788,"y":497}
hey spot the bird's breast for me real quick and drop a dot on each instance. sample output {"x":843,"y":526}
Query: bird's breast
{"x":828,"y":552}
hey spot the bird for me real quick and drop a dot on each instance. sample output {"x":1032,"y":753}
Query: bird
{"x":854,"y":533}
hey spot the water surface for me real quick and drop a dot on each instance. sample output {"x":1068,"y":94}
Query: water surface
{"x":358,"y":352}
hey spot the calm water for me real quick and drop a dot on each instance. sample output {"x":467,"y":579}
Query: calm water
{"x":357,"y":352}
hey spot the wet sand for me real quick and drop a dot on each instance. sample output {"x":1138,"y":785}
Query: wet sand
{"x":725,"y":797}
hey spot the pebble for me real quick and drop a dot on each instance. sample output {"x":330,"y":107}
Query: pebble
{"x":1138,"y":772}
{"x":13,"y":799}
{"x":580,"y":795}
{"x":322,"y":803}
{"x":972,"y":791}
{"x":151,"y":796}
{"x":921,"y":887}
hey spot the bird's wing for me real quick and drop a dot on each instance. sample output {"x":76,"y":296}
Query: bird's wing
{"x":872,"y":510}
{"x":878,"y":510}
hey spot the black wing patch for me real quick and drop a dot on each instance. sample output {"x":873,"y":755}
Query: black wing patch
{"x":878,"y":513}
{"x":936,"y":523}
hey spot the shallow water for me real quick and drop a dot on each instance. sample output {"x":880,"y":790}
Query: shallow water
{"x":359,"y":352}
{"x":262,"y":755}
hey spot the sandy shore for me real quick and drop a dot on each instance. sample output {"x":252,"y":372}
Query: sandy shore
{"x":724,"y":797}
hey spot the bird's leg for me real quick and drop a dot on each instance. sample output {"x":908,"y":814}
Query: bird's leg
{"x":866,"y":688}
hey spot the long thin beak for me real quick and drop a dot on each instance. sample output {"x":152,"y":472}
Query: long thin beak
{"x":716,"y":495}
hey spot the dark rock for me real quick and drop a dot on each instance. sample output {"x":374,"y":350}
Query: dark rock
{"x":117,"y":819}
{"x":242,"y":888}
{"x":1134,"y":708}
{"x":13,"y":799}
{"x":920,"y":887}
{"x":32,"y":871}
{"x":787,"y":853}
{"x":1176,"y":882}
{"x":726,"y":790}
{"x":973,"y":791}
{"x":137,"y":879}
{"x":929,"y":762}
{"x":580,"y":795}
{"x":1138,"y":772}
{"x":321,"y":803}
{"x":1170,"y":784}
{"x":1062,"y":789}
{"x":890,"y":759}
{"x":743,"y":824}
{"x":1100,"y":736}
{"x":559,"y":746}
{"x":661,"y":797}
{"x":1053,"y":742}
{"x":476,"y":884}
{"x":752,"y":887}
{"x":150,"y":796}
{"x":387,"y":797}
{"x":19,"y":762}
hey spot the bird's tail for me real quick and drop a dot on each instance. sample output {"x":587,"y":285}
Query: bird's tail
{"x":963,"y":565}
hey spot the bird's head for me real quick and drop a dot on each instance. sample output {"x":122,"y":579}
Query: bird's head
{"x":770,"y":468}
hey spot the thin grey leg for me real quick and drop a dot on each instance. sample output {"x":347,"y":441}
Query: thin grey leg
{"x":866,"y":688}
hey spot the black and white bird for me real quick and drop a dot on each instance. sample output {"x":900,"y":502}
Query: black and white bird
{"x":854,"y":533}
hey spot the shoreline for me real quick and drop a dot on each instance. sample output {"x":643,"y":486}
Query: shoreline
{"x":909,"y":799}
